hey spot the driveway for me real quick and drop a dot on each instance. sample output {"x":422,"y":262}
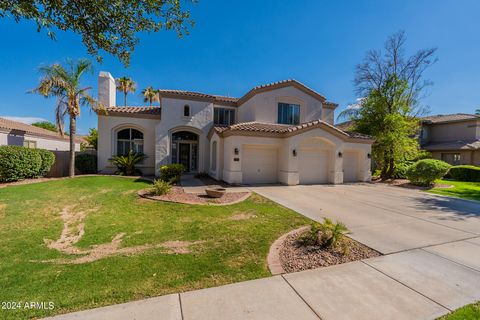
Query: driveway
{"x":385,"y":218}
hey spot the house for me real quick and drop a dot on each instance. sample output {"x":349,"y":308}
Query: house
{"x":453,"y":138}
{"x":21,"y":134}
{"x":279,"y":132}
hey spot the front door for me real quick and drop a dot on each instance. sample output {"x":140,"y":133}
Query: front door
{"x":184,"y":155}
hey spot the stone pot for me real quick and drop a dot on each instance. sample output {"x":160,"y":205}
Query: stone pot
{"x":215,"y":192}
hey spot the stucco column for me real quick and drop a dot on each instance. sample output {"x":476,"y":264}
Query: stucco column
{"x":336,"y":173}
{"x":365,"y":163}
{"x":232,"y":163}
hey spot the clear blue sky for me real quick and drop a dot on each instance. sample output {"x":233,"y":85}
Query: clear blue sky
{"x":237,"y":45}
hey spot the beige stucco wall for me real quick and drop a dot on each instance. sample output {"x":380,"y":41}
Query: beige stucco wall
{"x":263,"y":107}
{"x":107,"y":128}
{"x":42,"y":143}
{"x":465,"y":130}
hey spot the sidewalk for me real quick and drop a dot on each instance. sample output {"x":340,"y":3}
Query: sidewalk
{"x":415,"y":284}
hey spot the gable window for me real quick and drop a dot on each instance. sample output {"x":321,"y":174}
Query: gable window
{"x":129,"y":139}
{"x":186,"y":110}
{"x":288,"y":113}
{"x":223,"y":116}
{"x":30,"y":144}
{"x":451,"y":158}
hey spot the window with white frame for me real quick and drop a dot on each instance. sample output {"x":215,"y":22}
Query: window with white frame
{"x":223,"y":116}
{"x":30,"y":144}
{"x":288,"y":113}
{"x":451,"y":158}
{"x":129,"y":139}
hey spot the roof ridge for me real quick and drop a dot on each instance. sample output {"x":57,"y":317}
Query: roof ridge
{"x":30,"y":129}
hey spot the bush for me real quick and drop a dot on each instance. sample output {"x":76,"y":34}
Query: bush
{"x":171,"y":172}
{"x":425,"y":172}
{"x":17,"y":163}
{"x":126,"y":164}
{"x":160,"y":187}
{"x":48,"y":159}
{"x":86,"y":163}
{"x":465,"y":173}
{"x":326,"y":234}
{"x":401,"y":170}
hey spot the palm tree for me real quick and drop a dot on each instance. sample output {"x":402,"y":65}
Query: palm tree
{"x":477,"y":111}
{"x":125,"y":85}
{"x":63,"y":82}
{"x":150,"y":95}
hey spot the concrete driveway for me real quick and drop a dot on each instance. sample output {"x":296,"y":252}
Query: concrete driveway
{"x":385,"y":218}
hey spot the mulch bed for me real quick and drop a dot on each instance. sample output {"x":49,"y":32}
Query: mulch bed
{"x":177,"y":195}
{"x":404,"y":183}
{"x":296,"y":257}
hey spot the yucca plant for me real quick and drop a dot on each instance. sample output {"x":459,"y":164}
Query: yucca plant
{"x":126,"y":163}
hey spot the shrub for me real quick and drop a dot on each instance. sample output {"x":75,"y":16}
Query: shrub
{"x":401,"y":170}
{"x":48,"y":159}
{"x":160,"y":187}
{"x":172,"y":172}
{"x":126,"y":164}
{"x":465,"y":173}
{"x":425,"y":172}
{"x":17,"y":163}
{"x":86,"y":163}
{"x":326,"y":234}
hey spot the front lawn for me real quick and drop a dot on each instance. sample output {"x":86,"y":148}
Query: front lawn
{"x":131,"y":248}
{"x":466,"y":190}
{"x":469,"y":312}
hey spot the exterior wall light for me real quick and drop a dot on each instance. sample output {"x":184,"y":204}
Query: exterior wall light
{"x":340,"y":154}
{"x":369,"y":156}
{"x":294,"y":152}
{"x":235,"y":151}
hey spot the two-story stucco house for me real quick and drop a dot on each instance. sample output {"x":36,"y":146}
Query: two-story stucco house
{"x":281,"y":132}
{"x":453,"y":138}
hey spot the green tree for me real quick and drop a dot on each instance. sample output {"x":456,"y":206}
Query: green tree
{"x":150,"y":95}
{"x":64,"y":83}
{"x":106,"y":25}
{"x":125,"y":85}
{"x":92,"y":137}
{"x":477,"y":111}
{"x":46,"y":125}
{"x":392,"y":86}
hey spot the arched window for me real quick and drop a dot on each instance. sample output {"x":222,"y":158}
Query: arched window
{"x":129,"y":139}
{"x":186,"y":110}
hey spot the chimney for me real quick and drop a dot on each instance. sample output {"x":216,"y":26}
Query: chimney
{"x":107,"y":93}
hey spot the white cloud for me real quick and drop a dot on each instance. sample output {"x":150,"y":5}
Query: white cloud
{"x":357,"y":104}
{"x":27,"y":120}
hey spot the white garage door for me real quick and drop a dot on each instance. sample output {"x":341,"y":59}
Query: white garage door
{"x":259,"y":165}
{"x":313,"y":166}
{"x":350,"y":166}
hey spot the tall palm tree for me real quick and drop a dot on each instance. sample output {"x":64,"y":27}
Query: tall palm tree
{"x":477,"y":111}
{"x":150,"y":95}
{"x":63,"y":82}
{"x":125,"y":85}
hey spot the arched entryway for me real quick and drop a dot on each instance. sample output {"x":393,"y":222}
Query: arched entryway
{"x":185,"y":149}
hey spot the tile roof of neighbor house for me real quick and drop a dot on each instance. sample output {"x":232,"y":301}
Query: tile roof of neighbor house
{"x":285,"y":129}
{"x":135,"y":110}
{"x":453,"y":145}
{"x":445,"y":118}
{"x":10,"y":125}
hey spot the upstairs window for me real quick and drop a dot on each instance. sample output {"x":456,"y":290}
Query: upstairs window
{"x":186,"y":110}
{"x":288,"y":113}
{"x":223,"y":116}
{"x":129,"y":139}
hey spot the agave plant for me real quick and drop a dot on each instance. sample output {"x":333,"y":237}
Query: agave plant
{"x":126,"y":163}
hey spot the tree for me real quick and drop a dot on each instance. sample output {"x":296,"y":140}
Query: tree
{"x":46,"y":125}
{"x":392,"y":87}
{"x":125,"y":85}
{"x":63,"y":83}
{"x":150,"y":95}
{"x":106,"y":25}
{"x":92,"y":137}
{"x":477,"y":111}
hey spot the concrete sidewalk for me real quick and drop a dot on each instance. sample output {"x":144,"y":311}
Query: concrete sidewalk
{"x":415,"y":284}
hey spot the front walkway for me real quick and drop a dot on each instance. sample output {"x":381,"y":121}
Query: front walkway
{"x":431,"y":266}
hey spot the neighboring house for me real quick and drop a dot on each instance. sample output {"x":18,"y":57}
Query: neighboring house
{"x":453,"y":138}
{"x":21,"y":134}
{"x":280,"y":132}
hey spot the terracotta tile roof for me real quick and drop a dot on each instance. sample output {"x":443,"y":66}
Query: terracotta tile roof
{"x":10,"y":125}
{"x":444,"y":118}
{"x":138,"y":110}
{"x":283,"y":129}
{"x":198,"y":96}
{"x":345,"y":126}
{"x":453,"y":145}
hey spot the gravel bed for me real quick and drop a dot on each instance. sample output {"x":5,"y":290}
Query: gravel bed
{"x":296,"y":257}
{"x":176,"y":194}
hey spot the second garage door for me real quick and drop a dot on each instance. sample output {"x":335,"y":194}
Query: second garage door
{"x":350,"y":166}
{"x":259,"y":165}
{"x":313,"y":166}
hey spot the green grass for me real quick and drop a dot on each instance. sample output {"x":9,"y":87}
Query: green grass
{"x":469,"y":312}
{"x":233,"y":250}
{"x":465,"y":190}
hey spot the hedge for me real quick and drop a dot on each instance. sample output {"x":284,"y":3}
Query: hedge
{"x":86,"y":163}
{"x":425,"y":172}
{"x":465,"y":173}
{"x":17,"y":163}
